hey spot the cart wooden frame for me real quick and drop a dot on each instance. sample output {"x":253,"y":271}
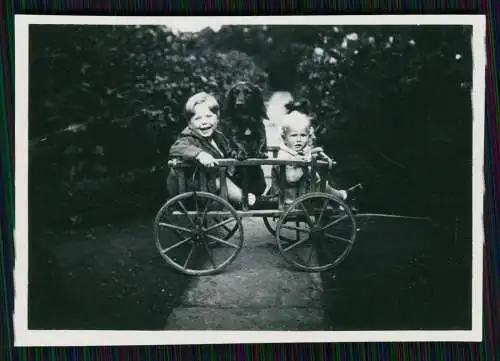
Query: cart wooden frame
{"x":204,"y":231}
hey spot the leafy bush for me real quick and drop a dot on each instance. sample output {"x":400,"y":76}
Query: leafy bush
{"x":106,"y":101}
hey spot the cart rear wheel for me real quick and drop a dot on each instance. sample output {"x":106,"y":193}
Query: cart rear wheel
{"x":325,"y":236}
{"x":271,"y":223}
{"x":198,"y":233}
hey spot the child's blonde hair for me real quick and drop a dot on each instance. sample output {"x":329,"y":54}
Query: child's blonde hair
{"x":297,"y":119}
{"x":200,"y":98}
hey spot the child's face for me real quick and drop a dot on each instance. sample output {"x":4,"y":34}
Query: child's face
{"x":204,"y":121}
{"x":297,"y":138}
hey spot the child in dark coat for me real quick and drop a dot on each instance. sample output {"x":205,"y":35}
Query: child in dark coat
{"x":203,"y":142}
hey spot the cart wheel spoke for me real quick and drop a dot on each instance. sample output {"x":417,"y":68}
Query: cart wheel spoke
{"x":272,"y":228}
{"x":338,"y":220}
{"x":338,"y":238}
{"x":220,"y":224}
{"x":230,"y":231}
{"x":190,"y":254}
{"x":227,"y":229}
{"x":178,"y":244}
{"x":185,"y":211}
{"x":295,"y":228}
{"x":176,"y":232}
{"x":220,"y":240}
{"x":309,"y":257}
{"x":174,"y":227}
{"x":298,"y":243}
{"x":320,"y":217}
{"x":210,"y":254}
{"x":196,"y":206}
{"x":327,"y":251}
{"x":306,"y":213}
{"x":204,"y":214}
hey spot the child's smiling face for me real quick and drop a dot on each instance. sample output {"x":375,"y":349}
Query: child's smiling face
{"x":297,"y":138}
{"x":204,"y":121}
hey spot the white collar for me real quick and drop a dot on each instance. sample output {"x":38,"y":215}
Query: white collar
{"x":214,"y":144}
{"x":287,"y":149}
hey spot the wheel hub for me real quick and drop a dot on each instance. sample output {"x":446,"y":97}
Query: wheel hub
{"x":315,"y":229}
{"x":198,"y":234}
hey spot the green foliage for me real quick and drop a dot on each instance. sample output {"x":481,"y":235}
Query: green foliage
{"x":106,"y":102}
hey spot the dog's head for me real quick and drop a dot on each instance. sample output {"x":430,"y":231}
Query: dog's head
{"x":244,"y":99}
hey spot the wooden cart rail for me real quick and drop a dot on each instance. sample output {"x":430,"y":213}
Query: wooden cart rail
{"x":229,"y":162}
{"x":204,"y":176}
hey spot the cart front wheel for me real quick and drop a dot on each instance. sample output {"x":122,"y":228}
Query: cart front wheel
{"x":322,"y":229}
{"x":198,"y":233}
{"x":271,"y":222}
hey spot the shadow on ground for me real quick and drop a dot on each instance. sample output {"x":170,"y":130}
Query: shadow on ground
{"x":106,"y":277}
{"x":401,"y":275}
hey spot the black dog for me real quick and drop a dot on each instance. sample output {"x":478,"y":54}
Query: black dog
{"x":243,"y":117}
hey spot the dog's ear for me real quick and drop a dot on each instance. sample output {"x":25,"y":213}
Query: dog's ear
{"x":228,"y":104}
{"x":258,"y":101}
{"x":255,"y":88}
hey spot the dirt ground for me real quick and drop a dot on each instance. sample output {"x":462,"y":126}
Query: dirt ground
{"x":106,"y":277}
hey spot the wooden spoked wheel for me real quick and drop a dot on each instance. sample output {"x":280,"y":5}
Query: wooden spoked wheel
{"x":227,"y":230}
{"x":198,"y":233}
{"x":271,"y":222}
{"x":324,"y":237}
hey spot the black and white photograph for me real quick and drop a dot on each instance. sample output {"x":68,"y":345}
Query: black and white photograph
{"x":190,"y":180}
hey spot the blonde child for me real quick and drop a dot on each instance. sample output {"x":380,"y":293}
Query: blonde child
{"x":297,"y":136}
{"x":203,"y":142}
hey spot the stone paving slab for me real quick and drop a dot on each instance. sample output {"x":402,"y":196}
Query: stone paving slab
{"x":247,"y":319}
{"x":258,"y":291}
{"x":254,"y":288}
{"x":261,"y":257}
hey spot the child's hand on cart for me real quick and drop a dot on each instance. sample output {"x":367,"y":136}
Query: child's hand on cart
{"x":320,"y":153}
{"x":206,"y":159}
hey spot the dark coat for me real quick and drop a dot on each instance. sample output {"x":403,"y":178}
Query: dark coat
{"x":187,"y":147}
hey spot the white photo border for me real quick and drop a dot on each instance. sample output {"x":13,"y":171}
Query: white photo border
{"x":27,"y":337}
